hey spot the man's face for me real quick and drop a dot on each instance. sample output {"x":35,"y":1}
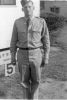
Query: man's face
{"x":28,"y":9}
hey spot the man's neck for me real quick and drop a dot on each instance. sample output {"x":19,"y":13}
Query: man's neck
{"x":29,"y":17}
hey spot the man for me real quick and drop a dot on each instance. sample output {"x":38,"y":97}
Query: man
{"x":30,"y":35}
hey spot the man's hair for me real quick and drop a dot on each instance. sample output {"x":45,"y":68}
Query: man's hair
{"x":23,"y":2}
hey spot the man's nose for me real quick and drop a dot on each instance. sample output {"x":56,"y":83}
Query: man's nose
{"x":28,"y":8}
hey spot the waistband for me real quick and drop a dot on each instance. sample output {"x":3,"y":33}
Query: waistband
{"x":30,"y":48}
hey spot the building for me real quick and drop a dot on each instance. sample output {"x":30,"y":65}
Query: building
{"x":58,"y":7}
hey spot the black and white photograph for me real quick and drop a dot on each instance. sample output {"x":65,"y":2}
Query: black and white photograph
{"x":33,"y":49}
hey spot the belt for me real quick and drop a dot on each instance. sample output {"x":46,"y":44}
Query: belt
{"x":29,"y":48}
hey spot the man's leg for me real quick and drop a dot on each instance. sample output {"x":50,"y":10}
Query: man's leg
{"x":35,"y":63}
{"x":35,"y":81}
{"x":24,"y":71}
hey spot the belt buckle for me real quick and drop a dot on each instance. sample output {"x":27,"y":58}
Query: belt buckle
{"x":29,"y":48}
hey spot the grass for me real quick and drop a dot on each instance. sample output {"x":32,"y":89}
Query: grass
{"x":56,"y":69}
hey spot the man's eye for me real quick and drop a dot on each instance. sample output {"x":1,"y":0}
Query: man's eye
{"x":29,"y":6}
{"x":25,"y":7}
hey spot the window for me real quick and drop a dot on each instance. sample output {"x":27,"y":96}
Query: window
{"x":7,"y":2}
{"x":55,"y":9}
{"x":52,"y":9}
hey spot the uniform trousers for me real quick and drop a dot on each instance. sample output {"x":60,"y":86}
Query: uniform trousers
{"x":29,"y":62}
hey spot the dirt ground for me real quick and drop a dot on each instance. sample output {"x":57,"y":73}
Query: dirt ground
{"x":53,"y":76}
{"x":53,"y":80}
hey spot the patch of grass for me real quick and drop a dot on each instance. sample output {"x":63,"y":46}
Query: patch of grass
{"x":3,"y":89}
{"x":2,"y":73}
{"x":2,"y":93}
{"x":57,"y":67}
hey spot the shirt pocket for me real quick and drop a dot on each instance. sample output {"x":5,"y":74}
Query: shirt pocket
{"x":36,"y":35}
{"x":22,"y":36}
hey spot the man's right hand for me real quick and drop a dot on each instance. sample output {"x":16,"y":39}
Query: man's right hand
{"x":13,"y":61}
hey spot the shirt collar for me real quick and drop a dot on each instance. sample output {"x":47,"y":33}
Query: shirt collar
{"x":30,"y":18}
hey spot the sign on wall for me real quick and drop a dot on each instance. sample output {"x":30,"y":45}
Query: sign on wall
{"x":9,"y":69}
{"x":5,"y":63}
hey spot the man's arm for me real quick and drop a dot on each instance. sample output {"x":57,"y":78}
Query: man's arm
{"x":13,"y":47}
{"x":46,"y":42}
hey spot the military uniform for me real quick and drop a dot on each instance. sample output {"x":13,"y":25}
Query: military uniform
{"x":30,"y":40}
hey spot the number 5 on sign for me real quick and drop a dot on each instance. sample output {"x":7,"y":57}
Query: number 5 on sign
{"x":9,"y":69}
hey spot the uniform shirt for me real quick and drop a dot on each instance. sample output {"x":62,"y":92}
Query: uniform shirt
{"x":36,"y":35}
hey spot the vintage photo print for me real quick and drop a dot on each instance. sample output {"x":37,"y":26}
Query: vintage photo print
{"x":51,"y":17}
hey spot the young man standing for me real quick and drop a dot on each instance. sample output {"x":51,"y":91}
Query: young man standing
{"x":30,"y":35}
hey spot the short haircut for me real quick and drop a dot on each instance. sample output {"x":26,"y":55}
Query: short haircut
{"x":27,"y":2}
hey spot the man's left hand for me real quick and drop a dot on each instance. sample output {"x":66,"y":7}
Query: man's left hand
{"x":44,"y":62}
